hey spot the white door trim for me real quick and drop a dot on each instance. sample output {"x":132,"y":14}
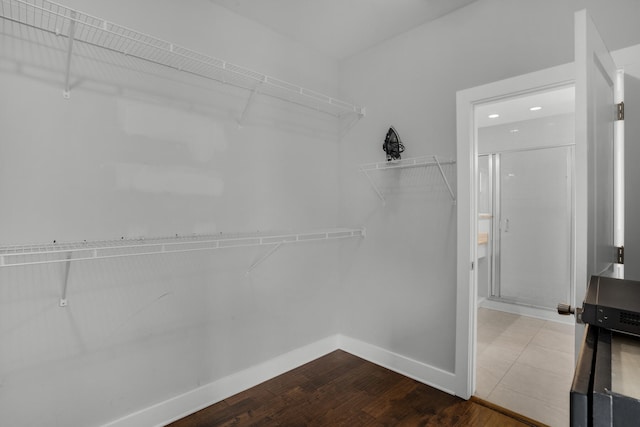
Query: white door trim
{"x":467,"y":211}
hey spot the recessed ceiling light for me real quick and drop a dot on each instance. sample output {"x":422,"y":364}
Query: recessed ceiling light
{"x":514,"y":130}
{"x":535,"y":108}
{"x":494,"y":116}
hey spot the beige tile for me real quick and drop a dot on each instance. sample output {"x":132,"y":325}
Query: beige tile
{"x":509,"y":343}
{"x":481,"y":347}
{"x":487,"y":313}
{"x":540,"y":384}
{"x":555,"y":340}
{"x":514,"y":341}
{"x":560,"y":327}
{"x":548,"y":359}
{"x":495,"y":319}
{"x":529,"y":323}
{"x":530,"y":407}
{"x":525,"y":364}
{"x":486,"y":381}
{"x":487,"y":334}
{"x":498,"y":367}
{"x":510,"y":325}
{"x":498,"y":354}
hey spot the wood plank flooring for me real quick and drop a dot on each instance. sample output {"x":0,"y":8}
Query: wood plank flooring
{"x":340,"y":389}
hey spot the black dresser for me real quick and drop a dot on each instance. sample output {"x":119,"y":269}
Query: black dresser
{"x":606,"y":384}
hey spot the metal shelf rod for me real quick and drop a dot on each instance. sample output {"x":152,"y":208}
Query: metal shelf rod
{"x":101,"y":33}
{"x":9,"y":256}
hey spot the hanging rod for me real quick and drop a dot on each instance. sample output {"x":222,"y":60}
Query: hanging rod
{"x":410,"y":162}
{"x":78,"y":26}
{"x":21,"y":255}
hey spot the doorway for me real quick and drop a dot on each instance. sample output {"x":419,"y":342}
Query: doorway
{"x":525,"y":252}
{"x":592,"y":71}
{"x":525,"y":202}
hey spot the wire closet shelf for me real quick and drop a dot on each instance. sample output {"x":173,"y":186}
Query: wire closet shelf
{"x":21,"y":255}
{"x":78,"y":26}
{"x":411,"y":162}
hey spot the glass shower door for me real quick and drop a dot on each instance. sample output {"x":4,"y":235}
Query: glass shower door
{"x":534,"y":225}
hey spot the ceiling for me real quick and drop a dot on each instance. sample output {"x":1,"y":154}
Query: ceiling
{"x":550,"y":103}
{"x":341,"y":28}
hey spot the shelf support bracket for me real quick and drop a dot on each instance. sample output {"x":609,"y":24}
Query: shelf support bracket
{"x":264,"y":257}
{"x":245,"y":111}
{"x":348,"y":121}
{"x":374,"y":186}
{"x":444,"y":178}
{"x":67,"y":266}
{"x":72,"y":30}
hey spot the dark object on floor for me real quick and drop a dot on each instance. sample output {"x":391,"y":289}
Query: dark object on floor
{"x":340,"y":389}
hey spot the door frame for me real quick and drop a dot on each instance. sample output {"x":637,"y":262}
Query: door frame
{"x":467,"y":205}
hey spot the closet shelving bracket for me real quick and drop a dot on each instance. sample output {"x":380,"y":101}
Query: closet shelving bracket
{"x":72,"y":28}
{"x":264,"y":257}
{"x":80,"y":27}
{"x":247,"y":105}
{"x":65,"y":284}
{"x":412,"y":162}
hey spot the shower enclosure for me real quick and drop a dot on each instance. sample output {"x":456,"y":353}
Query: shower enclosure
{"x":532,"y":222}
{"x":525,"y":201}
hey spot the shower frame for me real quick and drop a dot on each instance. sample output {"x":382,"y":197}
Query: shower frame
{"x":494,"y":165}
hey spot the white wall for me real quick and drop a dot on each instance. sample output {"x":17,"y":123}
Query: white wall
{"x":400,"y":292}
{"x":138,"y":331}
{"x":133,"y":154}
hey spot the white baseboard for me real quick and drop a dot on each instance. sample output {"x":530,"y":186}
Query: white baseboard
{"x":524,"y":310}
{"x":185,"y":404}
{"x":180,"y":406}
{"x":427,"y":374}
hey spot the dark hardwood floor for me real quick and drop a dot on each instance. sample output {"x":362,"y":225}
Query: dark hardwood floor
{"x":340,"y":389}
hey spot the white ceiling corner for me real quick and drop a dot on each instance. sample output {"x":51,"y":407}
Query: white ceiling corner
{"x":341,"y":28}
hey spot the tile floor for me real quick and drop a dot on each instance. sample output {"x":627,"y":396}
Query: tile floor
{"x":525,"y":364}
